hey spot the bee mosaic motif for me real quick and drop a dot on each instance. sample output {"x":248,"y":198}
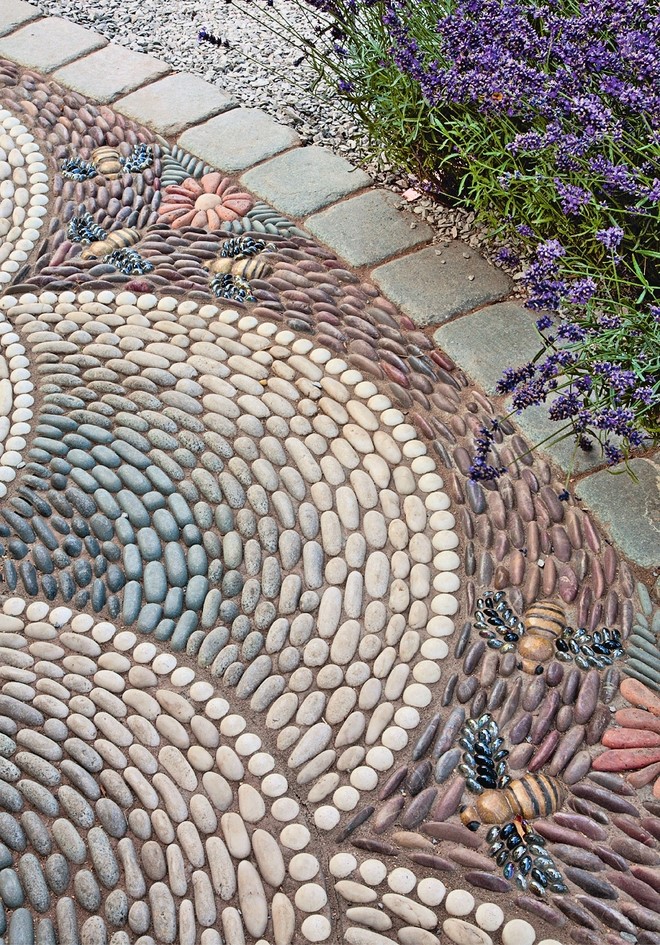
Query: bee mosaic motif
{"x":509,"y":805}
{"x":543,"y":634}
{"x":108,"y":162}
{"x":113,"y":248}
{"x":238,"y":261}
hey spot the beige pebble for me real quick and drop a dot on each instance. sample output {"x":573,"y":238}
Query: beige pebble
{"x":407,"y":717}
{"x":304,"y":866}
{"x":464,"y":933}
{"x":316,"y":928}
{"x":373,"y":872}
{"x":372,"y":918}
{"x":431,"y":891}
{"x":401,"y":880}
{"x":274,"y":785}
{"x":351,"y":891}
{"x":364,"y":778}
{"x":459,"y":902}
{"x":285,"y":809}
{"x":518,"y":932}
{"x":310,"y":897}
{"x":489,"y":916}
{"x":411,"y":912}
{"x":326,"y":817}
{"x":342,"y":865}
{"x":295,"y":837}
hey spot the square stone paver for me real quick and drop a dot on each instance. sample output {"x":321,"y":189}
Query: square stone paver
{"x":110,"y":72}
{"x":490,"y":340}
{"x":432,"y":288}
{"x":49,"y":43}
{"x":14,"y":13}
{"x":174,"y":103}
{"x":304,"y":180}
{"x":239,"y":139}
{"x":629,"y":511}
{"x":368,"y":228}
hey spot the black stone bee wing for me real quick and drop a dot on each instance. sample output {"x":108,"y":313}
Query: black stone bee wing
{"x":76,"y":169}
{"x":84,"y":229}
{"x":141,"y":157}
{"x":484,"y":763}
{"x":233,"y":288}
{"x":128,"y":261}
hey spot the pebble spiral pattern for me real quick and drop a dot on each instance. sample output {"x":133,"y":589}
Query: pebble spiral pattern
{"x":240,"y":558}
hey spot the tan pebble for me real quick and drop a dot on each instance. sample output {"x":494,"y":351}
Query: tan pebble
{"x":303,"y":867}
{"x":232,"y":725}
{"x":316,"y":928}
{"x":409,"y":935}
{"x":295,"y":837}
{"x":464,"y":933}
{"x":401,"y":880}
{"x":431,"y":891}
{"x":284,"y":920}
{"x":346,"y":798}
{"x":351,"y":891}
{"x":518,"y":932}
{"x":310,"y":897}
{"x":274,"y":785}
{"x":252,"y":899}
{"x":235,"y":834}
{"x":373,"y":872}
{"x":223,"y":875}
{"x":410,"y":911}
{"x":285,"y":808}
{"x":342,"y":865}
{"x":372,"y":918}
{"x":489,"y":916}
{"x":326,"y":817}
{"x":355,"y":936}
{"x":364,"y":778}
{"x":459,"y":902}
{"x":250,"y":804}
{"x":269,"y":858}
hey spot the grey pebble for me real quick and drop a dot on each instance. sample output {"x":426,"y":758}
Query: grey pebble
{"x":86,"y":890}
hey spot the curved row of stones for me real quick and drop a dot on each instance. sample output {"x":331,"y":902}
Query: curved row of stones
{"x":210,"y":484}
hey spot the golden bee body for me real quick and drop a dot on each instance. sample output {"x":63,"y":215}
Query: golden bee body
{"x":535,"y":795}
{"x":106,"y":161}
{"x":544,"y":622}
{"x":118,"y":239}
{"x":245,"y":268}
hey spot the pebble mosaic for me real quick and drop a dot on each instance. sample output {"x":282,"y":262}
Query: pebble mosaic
{"x":272,"y":669}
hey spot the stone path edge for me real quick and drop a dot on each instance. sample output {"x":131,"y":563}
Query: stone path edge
{"x":338,"y":191}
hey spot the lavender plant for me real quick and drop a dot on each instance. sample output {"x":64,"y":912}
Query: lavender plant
{"x":544,"y":116}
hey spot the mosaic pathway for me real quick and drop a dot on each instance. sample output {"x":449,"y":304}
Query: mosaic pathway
{"x":244,"y":693}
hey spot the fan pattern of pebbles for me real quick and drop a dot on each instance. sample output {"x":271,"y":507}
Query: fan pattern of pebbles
{"x":240,"y":562}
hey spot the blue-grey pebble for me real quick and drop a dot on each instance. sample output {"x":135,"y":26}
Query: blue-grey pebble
{"x":173,"y":606}
{"x":232,"y":584}
{"x":224,"y":519}
{"x":86,"y":890}
{"x":153,"y":500}
{"x":180,"y":510}
{"x":254,"y":675}
{"x":40,"y":796}
{"x":211,"y":608}
{"x":81,"y":779}
{"x":240,"y":627}
{"x":149,"y":618}
{"x":21,"y":928}
{"x":37,"y":832}
{"x":186,"y":625}
{"x":252,"y":646}
{"x":132,"y":601}
{"x":33,"y":882}
{"x":107,"y":479}
{"x":165,"y":525}
{"x":175,"y":564}
{"x":11,"y":890}
{"x":196,"y":592}
{"x":56,"y":871}
{"x":165,"y":629}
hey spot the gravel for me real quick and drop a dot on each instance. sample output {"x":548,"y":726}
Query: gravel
{"x":255,"y":65}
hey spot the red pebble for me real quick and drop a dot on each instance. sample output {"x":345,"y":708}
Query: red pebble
{"x":637,"y":718}
{"x":626,"y":759}
{"x":630,"y":738}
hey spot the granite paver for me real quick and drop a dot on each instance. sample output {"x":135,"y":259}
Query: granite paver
{"x":174,"y":103}
{"x":48,"y":43}
{"x":13,"y":13}
{"x":111,"y":72}
{"x":487,"y":341}
{"x":629,"y":510}
{"x":368,"y":228}
{"x":431,"y":287}
{"x":304,"y":180}
{"x":238,"y":139}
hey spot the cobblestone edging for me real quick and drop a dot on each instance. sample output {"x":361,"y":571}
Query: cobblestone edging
{"x":333,"y":201}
